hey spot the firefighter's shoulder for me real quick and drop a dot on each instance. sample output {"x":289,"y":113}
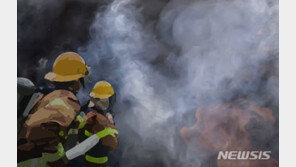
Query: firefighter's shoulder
{"x":62,"y":99}
{"x":98,"y":117}
{"x":59,"y":106}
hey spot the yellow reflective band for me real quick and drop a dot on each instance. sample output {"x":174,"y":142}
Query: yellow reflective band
{"x":106,"y":132}
{"x":87,"y":133}
{"x":82,"y":122}
{"x":99,"y":160}
{"x":103,"y":133}
{"x":61,"y":151}
{"x":61,"y":133}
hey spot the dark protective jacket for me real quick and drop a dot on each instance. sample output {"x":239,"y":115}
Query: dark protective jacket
{"x":97,"y":122}
{"x":47,"y":125}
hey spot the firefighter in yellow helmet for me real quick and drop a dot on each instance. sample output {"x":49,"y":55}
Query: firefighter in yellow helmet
{"x":42,"y":136}
{"x":45,"y":130}
{"x":100,"y":116}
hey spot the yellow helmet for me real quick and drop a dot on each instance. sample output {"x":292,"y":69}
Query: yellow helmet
{"x":68,"y":66}
{"x":102,"y":90}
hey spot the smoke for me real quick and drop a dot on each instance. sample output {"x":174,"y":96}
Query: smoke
{"x":167,"y":58}
{"x":48,"y":28}
{"x":197,"y":50}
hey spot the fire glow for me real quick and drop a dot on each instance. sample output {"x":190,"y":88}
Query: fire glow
{"x":225,"y":128}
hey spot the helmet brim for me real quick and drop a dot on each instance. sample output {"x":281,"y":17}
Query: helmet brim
{"x":51,"y":76}
{"x":102,"y":96}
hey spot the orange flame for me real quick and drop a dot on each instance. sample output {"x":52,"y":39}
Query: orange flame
{"x":223,"y":128}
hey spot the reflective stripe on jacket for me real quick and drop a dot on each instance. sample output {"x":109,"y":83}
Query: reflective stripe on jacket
{"x":97,"y":122}
{"x":97,"y":156}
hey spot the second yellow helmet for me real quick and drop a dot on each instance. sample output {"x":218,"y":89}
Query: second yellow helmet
{"x":102,"y":90}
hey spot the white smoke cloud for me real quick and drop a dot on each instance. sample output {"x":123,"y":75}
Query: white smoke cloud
{"x":206,"y":42}
{"x":124,"y":38}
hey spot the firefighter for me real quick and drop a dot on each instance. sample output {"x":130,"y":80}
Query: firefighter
{"x":41,"y":138}
{"x":100,"y":116}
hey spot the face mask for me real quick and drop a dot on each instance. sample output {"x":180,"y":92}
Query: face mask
{"x":101,"y":104}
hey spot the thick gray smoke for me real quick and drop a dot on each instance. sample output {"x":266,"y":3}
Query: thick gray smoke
{"x":165,"y":59}
{"x":198,"y":53}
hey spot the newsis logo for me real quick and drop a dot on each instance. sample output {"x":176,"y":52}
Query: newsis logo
{"x":244,"y":155}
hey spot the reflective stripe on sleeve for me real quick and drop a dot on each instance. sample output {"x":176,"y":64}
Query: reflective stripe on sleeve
{"x":99,"y":160}
{"x":81,"y":121}
{"x":87,"y":133}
